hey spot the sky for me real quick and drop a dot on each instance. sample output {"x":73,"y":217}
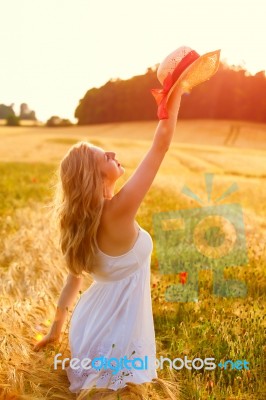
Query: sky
{"x":53,"y":51}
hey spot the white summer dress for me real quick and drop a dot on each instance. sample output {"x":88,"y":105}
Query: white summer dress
{"x":113,"y":318}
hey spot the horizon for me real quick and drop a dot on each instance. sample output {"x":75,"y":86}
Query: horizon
{"x":74,"y":120}
{"x":47,"y":66}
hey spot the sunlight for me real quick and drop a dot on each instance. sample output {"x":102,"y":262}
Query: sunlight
{"x":59,"y":50}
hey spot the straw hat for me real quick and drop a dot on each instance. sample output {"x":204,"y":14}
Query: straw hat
{"x":185,"y":67}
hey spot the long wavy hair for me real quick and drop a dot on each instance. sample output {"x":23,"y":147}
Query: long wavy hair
{"x":77,"y":206}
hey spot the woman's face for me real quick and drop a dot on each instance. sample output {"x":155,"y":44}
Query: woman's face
{"x":110,"y":167}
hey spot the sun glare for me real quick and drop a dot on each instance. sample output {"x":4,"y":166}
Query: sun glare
{"x":55,"y":51}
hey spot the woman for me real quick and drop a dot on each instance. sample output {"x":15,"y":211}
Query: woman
{"x":99,"y":235}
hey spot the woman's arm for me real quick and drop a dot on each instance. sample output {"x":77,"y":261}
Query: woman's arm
{"x":65,"y":302}
{"x":124,"y":205}
{"x":166,"y":127}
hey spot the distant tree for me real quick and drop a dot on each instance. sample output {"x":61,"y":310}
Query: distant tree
{"x":66,"y":122}
{"x":56,"y":121}
{"x":53,"y":121}
{"x":26,"y":113}
{"x":6,"y":111}
{"x":232,"y":93}
{"x":119,"y":100}
{"x":12,"y":120}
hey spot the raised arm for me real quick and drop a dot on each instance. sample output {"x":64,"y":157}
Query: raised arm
{"x":65,"y":302}
{"x":126,"y":202}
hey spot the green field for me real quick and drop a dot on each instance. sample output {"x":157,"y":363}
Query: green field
{"x":32,"y":271}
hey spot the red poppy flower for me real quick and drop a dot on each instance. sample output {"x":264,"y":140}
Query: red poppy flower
{"x":183,"y":277}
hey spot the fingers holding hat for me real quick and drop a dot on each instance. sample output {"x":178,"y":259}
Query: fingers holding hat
{"x":186,"y":87}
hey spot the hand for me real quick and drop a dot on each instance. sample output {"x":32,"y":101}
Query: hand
{"x":174,"y":102}
{"x":49,"y":338}
{"x":186,"y":88}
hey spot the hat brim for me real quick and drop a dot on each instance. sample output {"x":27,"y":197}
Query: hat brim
{"x":199,"y":71}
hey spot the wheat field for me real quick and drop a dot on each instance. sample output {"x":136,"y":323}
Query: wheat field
{"x":32,"y":271}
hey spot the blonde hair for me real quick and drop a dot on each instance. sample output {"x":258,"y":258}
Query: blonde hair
{"x":77,"y":206}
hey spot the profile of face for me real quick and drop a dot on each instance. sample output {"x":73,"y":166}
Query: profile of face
{"x":110,"y":167}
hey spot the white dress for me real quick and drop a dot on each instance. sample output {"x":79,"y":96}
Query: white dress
{"x":113,"y":318}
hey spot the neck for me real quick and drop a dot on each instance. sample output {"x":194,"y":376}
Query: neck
{"x":109,"y":191}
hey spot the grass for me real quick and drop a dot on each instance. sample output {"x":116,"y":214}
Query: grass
{"x":21,"y":184}
{"x":32,"y":274}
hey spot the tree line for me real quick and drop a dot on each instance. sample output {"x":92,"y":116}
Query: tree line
{"x":232,"y":93}
{"x":8,"y":113}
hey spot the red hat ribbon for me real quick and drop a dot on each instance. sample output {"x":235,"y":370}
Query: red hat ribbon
{"x":160,"y":95}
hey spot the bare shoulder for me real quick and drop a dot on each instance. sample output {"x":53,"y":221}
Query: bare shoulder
{"x":111,"y":218}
